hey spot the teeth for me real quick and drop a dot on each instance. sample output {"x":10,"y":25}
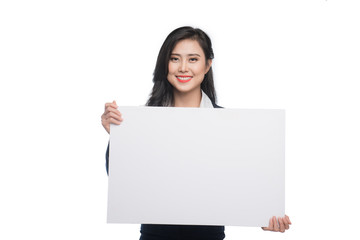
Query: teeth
{"x":184,"y":78}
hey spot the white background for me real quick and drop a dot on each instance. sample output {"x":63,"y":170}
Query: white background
{"x":60,"y":61}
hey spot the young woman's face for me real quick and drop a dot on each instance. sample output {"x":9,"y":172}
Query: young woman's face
{"x":187,"y":66}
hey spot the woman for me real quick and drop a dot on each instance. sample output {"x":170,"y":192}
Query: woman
{"x":183,"y":78}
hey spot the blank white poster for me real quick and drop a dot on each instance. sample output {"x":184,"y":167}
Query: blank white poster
{"x":197,"y":166}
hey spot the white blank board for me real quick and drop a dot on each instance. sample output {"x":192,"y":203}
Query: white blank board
{"x":198,"y":166}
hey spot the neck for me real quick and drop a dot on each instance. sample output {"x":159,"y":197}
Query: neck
{"x":189,"y":99}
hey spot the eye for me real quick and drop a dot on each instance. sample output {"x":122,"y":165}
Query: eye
{"x":174,"y":59}
{"x":193,"y":59}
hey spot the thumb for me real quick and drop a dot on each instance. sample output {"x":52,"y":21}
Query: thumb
{"x":115,"y":103}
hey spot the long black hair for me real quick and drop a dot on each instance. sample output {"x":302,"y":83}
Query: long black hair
{"x":162,"y":93}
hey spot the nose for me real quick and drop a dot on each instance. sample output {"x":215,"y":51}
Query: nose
{"x":183,"y":67}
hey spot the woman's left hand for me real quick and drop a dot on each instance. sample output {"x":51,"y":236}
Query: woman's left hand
{"x":278,"y":224}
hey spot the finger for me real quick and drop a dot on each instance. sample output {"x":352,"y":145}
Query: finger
{"x":114,"y":121}
{"x":113,"y":115}
{"x":106,"y":123}
{"x":271,"y":224}
{"x":286,"y":224}
{"x":112,"y":109}
{"x":269,"y":228}
{"x":276,"y":224}
{"x":287,"y":219}
{"x":281,"y":225}
{"x":113,"y":104}
{"x":107,"y":105}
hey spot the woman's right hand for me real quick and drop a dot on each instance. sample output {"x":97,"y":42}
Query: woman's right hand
{"x":111,"y":115}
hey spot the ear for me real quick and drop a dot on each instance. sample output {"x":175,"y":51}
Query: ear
{"x":208,"y":65}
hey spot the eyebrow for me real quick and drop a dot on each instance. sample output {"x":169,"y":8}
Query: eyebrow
{"x":191,"y":54}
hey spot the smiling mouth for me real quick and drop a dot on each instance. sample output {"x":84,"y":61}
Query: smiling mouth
{"x":183,"y":79}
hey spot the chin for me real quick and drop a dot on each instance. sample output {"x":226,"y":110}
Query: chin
{"x":184,"y":89}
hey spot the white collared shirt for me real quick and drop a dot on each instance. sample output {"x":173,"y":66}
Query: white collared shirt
{"x":205,"y":101}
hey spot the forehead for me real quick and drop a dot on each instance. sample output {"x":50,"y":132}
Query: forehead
{"x":188,"y":46}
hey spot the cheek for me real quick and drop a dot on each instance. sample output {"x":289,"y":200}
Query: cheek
{"x":171,"y":68}
{"x":170,"y":72}
{"x":200,"y":70}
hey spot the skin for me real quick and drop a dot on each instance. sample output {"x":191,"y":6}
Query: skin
{"x":111,"y":115}
{"x":280,"y":224}
{"x":187,"y":59}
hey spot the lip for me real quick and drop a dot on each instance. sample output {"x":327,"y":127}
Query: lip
{"x":183,"y":80}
